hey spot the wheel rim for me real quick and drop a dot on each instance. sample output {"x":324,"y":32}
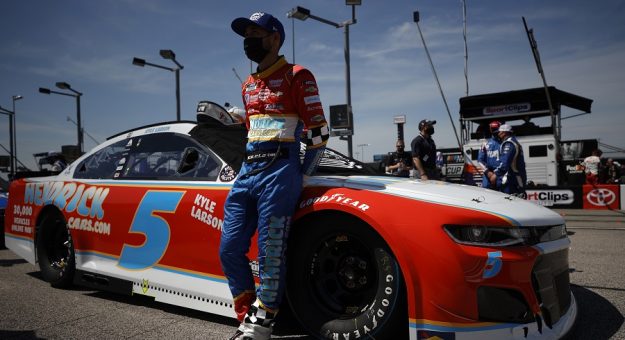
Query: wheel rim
{"x":59,"y":249}
{"x":343,"y":275}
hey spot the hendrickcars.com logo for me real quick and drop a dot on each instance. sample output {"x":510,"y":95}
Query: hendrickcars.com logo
{"x":551,"y":197}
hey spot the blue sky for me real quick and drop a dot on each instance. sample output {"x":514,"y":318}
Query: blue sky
{"x":90,"y":45}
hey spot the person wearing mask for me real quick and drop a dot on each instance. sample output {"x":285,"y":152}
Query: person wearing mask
{"x":424,"y":151}
{"x":510,"y":176}
{"x":283,"y":107}
{"x":399,"y":162}
{"x":488,"y":156}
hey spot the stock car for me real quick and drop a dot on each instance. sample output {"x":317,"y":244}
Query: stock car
{"x":368,"y":256}
{"x":3,"y":204}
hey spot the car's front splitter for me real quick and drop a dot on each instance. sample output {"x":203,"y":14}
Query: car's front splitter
{"x":426,"y":329}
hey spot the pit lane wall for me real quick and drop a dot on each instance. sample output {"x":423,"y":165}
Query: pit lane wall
{"x":594,"y":197}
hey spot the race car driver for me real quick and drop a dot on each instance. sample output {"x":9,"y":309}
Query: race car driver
{"x":488,"y":156}
{"x":282,"y":104}
{"x":510,"y":176}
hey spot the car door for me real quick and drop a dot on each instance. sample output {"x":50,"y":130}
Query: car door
{"x":164,"y":205}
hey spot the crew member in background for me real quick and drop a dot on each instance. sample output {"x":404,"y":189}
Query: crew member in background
{"x":281,"y":99}
{"x":592,"y":165}
{"x":612,"y":171}
{"x":424,"y":151}
{"x":510,"y":176}
{"x":399,"y":163}
{"x":488,"y":156}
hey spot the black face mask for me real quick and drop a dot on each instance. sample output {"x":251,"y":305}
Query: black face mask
{"x":430,"y":130}
{"x":254,"y":49}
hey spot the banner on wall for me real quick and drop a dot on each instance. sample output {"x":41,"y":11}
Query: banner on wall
{"x":560,"y":197}
{"x":602,"y":196}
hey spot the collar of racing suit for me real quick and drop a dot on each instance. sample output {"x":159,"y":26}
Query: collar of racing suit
{"x":273,"y":68}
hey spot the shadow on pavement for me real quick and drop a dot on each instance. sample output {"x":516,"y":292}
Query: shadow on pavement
{"x":597,"y":318}
{"x":11,"y":262}
{"x":29,"y":335}
{"x":287,"y":326}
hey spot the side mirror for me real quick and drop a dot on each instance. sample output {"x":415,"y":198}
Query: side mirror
{"x":189,"y":160}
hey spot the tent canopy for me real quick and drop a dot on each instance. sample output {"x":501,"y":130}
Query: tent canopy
{"x":517,"y":104}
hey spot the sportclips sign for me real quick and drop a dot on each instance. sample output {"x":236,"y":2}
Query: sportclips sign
{"x":506,"y":109}
{"x":602,"y":197}
{"x":569,"y":198}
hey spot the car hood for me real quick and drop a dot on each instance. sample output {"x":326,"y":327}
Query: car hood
{"x":519,"y":211}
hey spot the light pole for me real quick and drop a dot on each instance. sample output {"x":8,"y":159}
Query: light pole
{"x":166,"y":54}
{"x":75,"y":94}
{"x":84,"y":132}
{"x":302,"y":13}
{"x":11,"y":146}
{"x":14,"y":164}
{"x":362,"y":150}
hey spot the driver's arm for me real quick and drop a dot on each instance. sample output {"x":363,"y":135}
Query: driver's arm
{"x":306,"y":98}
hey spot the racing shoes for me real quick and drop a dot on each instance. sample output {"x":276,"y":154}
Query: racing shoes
{"x":242,"y":304}
{"x":257,"y":325}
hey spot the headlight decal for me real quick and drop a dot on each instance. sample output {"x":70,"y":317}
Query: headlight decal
{"x":497,"y":236}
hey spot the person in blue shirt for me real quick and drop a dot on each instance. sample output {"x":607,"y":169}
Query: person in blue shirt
{"x":510,"y":176}
{"x":488,"y":157}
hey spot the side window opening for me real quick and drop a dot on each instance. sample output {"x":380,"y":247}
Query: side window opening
{"x":170,"y":156}
{"x":103,"y":163}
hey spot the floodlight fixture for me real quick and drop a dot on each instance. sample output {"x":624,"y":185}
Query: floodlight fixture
{"x":299,"y":12}
{"x":138,"y":62}
{"x":166,"y":54}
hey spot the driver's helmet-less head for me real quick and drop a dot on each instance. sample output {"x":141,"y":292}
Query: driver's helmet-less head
{"x":207,"y":110}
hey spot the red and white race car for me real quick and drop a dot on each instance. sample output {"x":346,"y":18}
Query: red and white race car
{"x":368,"y":256}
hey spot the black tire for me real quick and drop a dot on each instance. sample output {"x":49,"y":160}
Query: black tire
{"x":2,"y":244}
{"x":343,"y":280}
{"x":55,"y":251}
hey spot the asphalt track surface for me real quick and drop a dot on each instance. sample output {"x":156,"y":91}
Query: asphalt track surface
{"x":31,"y":309}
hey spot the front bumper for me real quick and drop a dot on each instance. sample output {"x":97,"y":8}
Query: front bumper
{"x":485,"y":331}
{"x":529,"y":297}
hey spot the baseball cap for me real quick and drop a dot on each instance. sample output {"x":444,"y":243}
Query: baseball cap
{"x":494,"y":126}
{"x":426,"y":122}
{"x":505,"y":128}
{"x":261,"y":19}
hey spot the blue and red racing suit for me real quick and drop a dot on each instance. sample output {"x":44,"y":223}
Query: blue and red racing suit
{"x":488,"y":158}
{"x":281,"y":102}
{"x":511,"y":175}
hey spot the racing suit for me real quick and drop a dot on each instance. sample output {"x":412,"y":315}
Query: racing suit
{"x":281,"y":102}
{"x":488,"y":158}
{"x":511,"y":175}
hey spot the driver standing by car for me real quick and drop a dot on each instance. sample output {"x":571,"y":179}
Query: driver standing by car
{"x":283,"y":107}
